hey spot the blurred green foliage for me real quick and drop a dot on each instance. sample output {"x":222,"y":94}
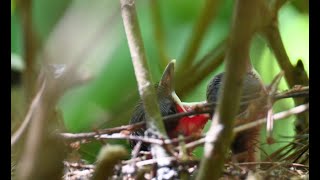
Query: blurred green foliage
{"x":108,"y":100}
{"x":13,"y":4}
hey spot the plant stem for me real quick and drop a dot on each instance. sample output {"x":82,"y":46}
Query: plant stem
{"x":219,"y":136}
{"x":158,"y":32}
{"x":146,"y":89}
{"x":30,"y":48}
{"x":293,"y":75}
{"x":198,"y":33}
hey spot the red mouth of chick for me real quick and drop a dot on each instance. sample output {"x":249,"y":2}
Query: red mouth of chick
{"x":189,"y":125}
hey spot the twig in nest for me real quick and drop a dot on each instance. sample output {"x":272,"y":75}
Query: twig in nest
{"x":130,"y":137}
{"x":136,"y":149}
{"x":70,"y":136}
{"x":272,"y":163}
{"x":154,"y":161}
{"x":296,"y":151}
{"x":296,"y":91}
{"x":201,"y":109}
{"x":278,"y":116}
{"x":78,"y":165}
{"x":131,"y":127}
{"x":272,"y":89}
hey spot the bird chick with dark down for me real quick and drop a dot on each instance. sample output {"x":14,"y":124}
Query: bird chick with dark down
{"x":252,"y":107}
{"x":169,"y":104}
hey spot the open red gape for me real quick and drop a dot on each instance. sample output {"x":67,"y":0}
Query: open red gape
{"x":190,"y":124}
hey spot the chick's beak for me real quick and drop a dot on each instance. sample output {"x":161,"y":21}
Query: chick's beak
{"x":167,"y":84}
{"x":191,"y":106}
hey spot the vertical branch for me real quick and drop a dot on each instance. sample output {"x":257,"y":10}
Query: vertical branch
{"x":219,"y":137}
{"x":273,"y":37}
{"x":29,"y":43}
{"x":199,"y":30}
{"x":42,"y":153}
{"x":293,"y":75}
{"x":146,"y":89}
{"x":158,"y":32}
{"x":278,"y":4}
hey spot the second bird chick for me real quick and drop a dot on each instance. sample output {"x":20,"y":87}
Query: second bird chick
{"x":252,"y":107}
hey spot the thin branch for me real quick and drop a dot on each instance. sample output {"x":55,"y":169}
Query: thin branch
{"x":154,"y":161}
{"x":70,"y":136}
{"x":206,"y":60}
{"x":293,"y":75}
{"x":272,"y":163}
{"x":281,"y":115}
{"x":30,"y":47}
{"x":130,"y":127}
{"x":196,"y":143}
{"x":97,"y":136}
{"x":38,"y":142}
{"x":135,"y":151}
{"x":293,"y":93}
{"x":219,"y":136}
{"x":16,"y":136}
{"x":146,"y":89}
{"x":191,"y":145}
{"x":273,"y":37}
{"x":199,"y":30}
{"x":202,"y":108}
{"x":88,"y":135}
{"x":78,"y":165}
{"x":159,"y":33}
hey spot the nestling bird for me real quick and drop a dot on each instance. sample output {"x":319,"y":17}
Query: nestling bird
{"x":169,"y":104}
{"x":252,"y":107}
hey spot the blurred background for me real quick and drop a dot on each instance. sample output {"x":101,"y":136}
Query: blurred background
{"x":91,"y":37}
